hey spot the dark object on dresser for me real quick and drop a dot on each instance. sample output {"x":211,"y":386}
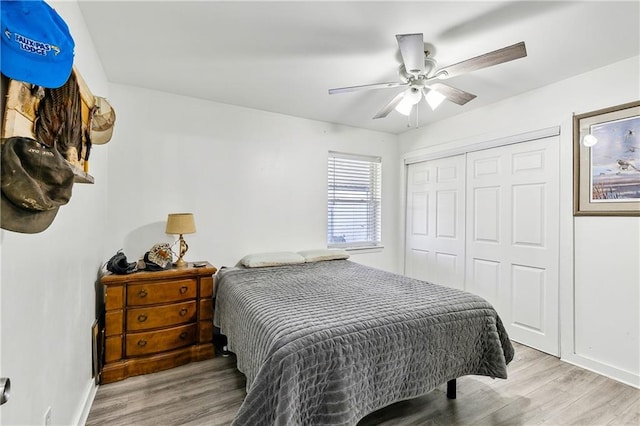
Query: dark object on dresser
{"x":118,"y":264}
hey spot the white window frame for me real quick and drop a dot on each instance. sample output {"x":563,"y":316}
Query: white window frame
{"x":360,"y":178}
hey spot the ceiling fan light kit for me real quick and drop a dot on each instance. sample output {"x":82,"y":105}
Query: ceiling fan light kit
{"x":434,"y":98}
{"x":420,"y":72}
{"x":405,"y":106}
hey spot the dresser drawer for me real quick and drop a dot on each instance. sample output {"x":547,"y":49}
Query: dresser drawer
{"x":153,"y":292}
{"x":161,"y":316}
{"x":159,"y":341}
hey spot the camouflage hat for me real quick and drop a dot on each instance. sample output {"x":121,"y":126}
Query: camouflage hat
{"x":159,"y":257}
{"x":35,"y":181}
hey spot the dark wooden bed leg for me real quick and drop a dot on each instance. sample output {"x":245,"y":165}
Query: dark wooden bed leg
{"x":451,"y":389}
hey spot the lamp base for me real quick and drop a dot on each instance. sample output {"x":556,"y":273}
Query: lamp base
{"x":180,"y":263}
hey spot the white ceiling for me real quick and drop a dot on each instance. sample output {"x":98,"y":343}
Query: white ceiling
{"x":284,"y":56}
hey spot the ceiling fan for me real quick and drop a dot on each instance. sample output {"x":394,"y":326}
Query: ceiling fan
{"x":419,"y":72}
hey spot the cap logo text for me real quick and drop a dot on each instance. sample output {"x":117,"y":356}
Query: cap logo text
{"x":35,"y":46}
{"x":37,"y":151}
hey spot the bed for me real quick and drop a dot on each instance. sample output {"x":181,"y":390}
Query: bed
{"x":327,"y":342}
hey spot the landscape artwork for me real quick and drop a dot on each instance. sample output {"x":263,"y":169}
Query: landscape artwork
{"x":606,"y":161}
{"x":615,"y":161}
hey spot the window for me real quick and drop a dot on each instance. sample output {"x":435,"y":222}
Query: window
{"x":353,"y":208}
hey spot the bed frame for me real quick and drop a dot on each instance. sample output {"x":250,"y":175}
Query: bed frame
{"x":451,"y":389}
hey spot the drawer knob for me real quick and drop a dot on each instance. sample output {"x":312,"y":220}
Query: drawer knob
{"x":142,"y":343}
{"x":183,"y":289}
{"x":142,"y":318}
{"x":184,"y":335}
{"x":183,"y":312}
{"x":142,"y":293}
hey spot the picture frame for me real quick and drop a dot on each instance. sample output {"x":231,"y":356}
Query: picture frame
{"x":97,"y":338}
{"x":606,"y":161}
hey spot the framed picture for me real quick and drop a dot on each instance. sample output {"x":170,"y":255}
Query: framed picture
{"x":606,"y":161}
{"x":96,"y":346}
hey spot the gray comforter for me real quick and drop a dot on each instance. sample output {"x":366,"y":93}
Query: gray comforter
{"x":327,"y":343}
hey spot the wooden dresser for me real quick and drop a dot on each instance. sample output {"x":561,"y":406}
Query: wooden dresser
{"x":157,"y":320}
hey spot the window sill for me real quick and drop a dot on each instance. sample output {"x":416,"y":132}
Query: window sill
{"x":363,"y":250}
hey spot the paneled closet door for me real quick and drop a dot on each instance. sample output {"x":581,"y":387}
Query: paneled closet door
{"x":512,"y":237}
{"x":435,"y":222}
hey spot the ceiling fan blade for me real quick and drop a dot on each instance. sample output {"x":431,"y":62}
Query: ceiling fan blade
{"x":365,"y":87}
{"x":453,"y":94}
{"x":496,"y":57}
{"x":390,"y":106}
{"x":412,"y":51}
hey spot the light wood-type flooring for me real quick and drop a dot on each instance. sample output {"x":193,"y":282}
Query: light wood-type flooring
{"x":540,"y":390}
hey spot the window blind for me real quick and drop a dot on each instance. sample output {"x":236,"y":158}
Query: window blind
{"x":354,"y":200}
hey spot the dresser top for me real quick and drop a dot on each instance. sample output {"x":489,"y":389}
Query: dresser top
{"x":174,"y":272}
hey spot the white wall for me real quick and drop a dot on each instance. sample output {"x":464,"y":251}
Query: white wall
{"x":48,"y":281}
{"x":606,"y":317}
{"x":255,"y":181}
{"x":607,"y":291}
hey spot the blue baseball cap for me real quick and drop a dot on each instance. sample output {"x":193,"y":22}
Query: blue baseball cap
{"x":37,"y":46}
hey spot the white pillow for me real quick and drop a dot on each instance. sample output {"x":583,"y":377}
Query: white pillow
{"x":259,"y":260}
{"x":323,"y":254}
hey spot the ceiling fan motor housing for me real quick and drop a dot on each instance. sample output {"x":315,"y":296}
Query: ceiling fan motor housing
{"x":430,"y":65}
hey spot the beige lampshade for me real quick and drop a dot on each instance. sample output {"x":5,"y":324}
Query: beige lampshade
{"x":180,"y":223}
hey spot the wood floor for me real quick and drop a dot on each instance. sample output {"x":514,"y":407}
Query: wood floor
{"x":541,"y":390}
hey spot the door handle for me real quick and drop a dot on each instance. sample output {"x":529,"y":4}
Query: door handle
{"x":5,"y":389}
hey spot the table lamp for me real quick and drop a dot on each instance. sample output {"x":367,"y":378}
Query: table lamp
{"x":181,"y":223}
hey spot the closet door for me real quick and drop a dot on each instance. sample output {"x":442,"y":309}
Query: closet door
{"x":435,"y":223}
{"x":512,"y":237}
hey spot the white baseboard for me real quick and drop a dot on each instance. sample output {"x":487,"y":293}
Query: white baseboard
{"x":617,"y":374}
{"x":90,"y":394}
